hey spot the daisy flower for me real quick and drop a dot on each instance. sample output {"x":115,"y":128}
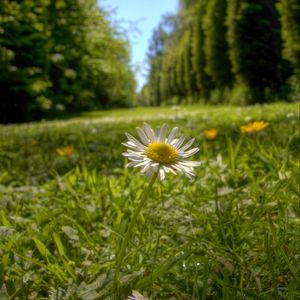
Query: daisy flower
{"x":157,"y":153}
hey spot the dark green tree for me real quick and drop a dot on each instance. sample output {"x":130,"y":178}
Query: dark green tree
{"x":290,"y":20}
{"x":187,"y":56}
{"x":160,"y":42}
{"x":24,"y":64}
{"x":203,"y":81}
{"x":180,"y":71}
{"x":60,"y":55}
{"x":155,"y":53}
{"x":215,"y":45}
{"x":228,"y":50}
{"x":255,"y":46}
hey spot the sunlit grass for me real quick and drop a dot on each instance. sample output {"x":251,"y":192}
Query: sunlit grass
{"x":233,"y":233}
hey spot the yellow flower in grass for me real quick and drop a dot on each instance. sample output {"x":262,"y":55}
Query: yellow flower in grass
{"x":65,"y":151}
{"x":210,"y":134}
{"x":156,"y":153}
{"x":254,"y":127}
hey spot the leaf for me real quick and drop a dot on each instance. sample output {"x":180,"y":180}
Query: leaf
{"x":4,"y":220}
{"x":162,"y":269}
{"x":59,"y":244}
{"x":43,"y":249}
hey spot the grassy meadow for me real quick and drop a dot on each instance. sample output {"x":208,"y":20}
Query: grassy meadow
{"x":232,"y":233}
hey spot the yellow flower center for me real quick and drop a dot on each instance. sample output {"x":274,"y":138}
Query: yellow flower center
{"x":162,"y":153}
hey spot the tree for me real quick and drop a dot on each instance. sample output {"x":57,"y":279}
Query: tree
{"x":289,"y":11}
{"x":255,"y":46}
{"x":60,"y":55}
{"x":227,"y":50}
{"x":157,"y":48}
{"x":23,"y":58}
{"x":215,"y":45}
{"x":203,"y":81}
{"x":155,"y":53}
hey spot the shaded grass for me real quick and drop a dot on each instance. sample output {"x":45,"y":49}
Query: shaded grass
{"x":231,"y":234}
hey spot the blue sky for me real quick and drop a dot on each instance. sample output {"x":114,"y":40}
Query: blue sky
{"x":143,"y":16}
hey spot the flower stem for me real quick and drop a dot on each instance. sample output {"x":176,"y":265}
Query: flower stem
{"x":122,"y":251}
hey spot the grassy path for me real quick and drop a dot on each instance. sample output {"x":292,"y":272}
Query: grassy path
{"x":233,"y":233}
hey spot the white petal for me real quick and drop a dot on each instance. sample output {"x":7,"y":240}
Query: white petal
{"x":162,"y":133}
{"x":146,"y":168}
{"x":151,"y":171}
{"x":136,"y":152}
{"x":131,"y":145}
{"x":190,"y":172}
{"x":154,"y":164}
{"x":171,"y":170}
{"x":177,"y":143}
{"x":189,"y":153}
{"x":182,"y":168}
{"x":161,"y":174}
{"x":190,"y":176}
{"x":131,"y":164}
{"x":135,"y":159}
{"x":145,"y":162}
{"x":135,"y":141}
{"x":149,"y":132}
{"x":172,"y":135}
{"x":143,"y":136}
{"x":187,"y":145}
{"x":157,"y":132}
{"x":132,"y":154}
{"x":149,"y":166}
{"x":190,"y":163}
{"x":187,"y":171}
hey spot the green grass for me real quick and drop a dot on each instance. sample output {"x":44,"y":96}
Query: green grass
{"x":233,"y":233}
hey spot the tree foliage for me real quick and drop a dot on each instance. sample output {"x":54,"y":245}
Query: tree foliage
{"x":242,"y":51}
{"x":218,"y":66}
{"x":203,"y":80}
{"x":60,"y":55}
{"x":255,"y":46}
{"x":289,"y":11}
{"x":157,"y":48}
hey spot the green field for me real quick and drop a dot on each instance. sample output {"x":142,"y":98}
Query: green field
{"x":232,"y":233}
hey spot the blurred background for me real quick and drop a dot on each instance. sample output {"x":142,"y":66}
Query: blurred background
{"x":59,"y":57}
